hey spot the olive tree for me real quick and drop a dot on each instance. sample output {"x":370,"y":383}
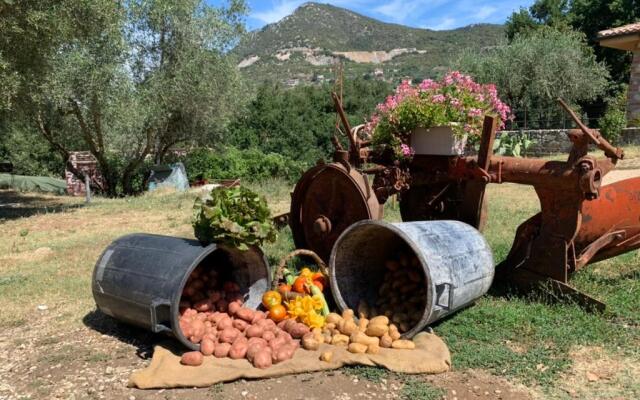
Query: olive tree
{"x":126,"y":79}
{"x":534,"y":69}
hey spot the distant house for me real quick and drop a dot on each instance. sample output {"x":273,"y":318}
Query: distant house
{"x":627,"y":37}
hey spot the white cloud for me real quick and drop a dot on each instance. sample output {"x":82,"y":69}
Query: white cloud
{"x":485,"y":12}
{"x":402,"y":10}
{"x":279,"y":10}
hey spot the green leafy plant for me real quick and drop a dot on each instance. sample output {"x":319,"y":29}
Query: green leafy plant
{"x":516,"y":145}
{"x":615,"y":119}
{"x":236,"y":217}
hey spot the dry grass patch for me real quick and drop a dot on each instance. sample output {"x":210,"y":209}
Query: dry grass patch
{"x":600,"y":374}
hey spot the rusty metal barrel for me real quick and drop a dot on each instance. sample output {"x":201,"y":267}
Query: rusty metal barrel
{"x":456,"y":260}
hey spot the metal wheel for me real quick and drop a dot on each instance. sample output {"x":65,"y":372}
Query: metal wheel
{"x":328,"y":199}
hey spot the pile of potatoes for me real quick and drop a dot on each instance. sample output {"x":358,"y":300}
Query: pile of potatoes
{"x":217,"y":321}
{"x":402,"y":295}
{"x":362,"y":336}
{"x":204,"y":292}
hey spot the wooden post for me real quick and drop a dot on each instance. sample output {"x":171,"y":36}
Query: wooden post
{"x":87,"y":188}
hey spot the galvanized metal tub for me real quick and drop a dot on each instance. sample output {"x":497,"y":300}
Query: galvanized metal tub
{"x":457,"y":262}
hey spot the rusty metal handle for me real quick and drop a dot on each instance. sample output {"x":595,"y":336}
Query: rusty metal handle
{"x":593,"y":135}
{"x":279,"y":272}
{"x":353,"y":145}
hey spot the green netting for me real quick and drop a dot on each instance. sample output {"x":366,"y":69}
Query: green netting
{"x":32,"y":183}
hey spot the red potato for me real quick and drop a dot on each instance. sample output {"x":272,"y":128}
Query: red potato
{"x":228,"y":335}
{"x":287,"y":337}
{"x":213,"y":336}
{"x":282,"y":324}
{"x":237,"y":296}
{"x":197,"y":297}
{"x":238,"y":350}
{"x":203,"y":305}
{"x":192,"y":358}
{"x":233,"y":307}
{"x":207,"y":347}
{"x":222,"y":350}
{"x":288,"y":325}
{"x":224,"y":323}
{"x":190,"y":312}
{"x":299,"y":330}
{"x":257,"y":316}
{"x":214,"y":296}
{"x":197,"y":284}
{"x":230,"y":287}
{"x":197,"y":327}
{"x":283,"y":353}
{"x":245,"y":314}
{"x":201,"y":316}
{"x":268,"y":336}
{"x":277,"y":342}
{"x":215,"y":317}
{"x":189,"y":290}
{"x":240,"y":325}
{"x":262,"y":359}
{"x":222,"y":305}
{"x":267,"y":324}
{"x":185,"y":327}
{"x":254,"y":331}
{"x":258,"y":340}
{"x":253,"y":349}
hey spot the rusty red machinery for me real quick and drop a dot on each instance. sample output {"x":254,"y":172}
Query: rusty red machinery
{"x":580,"y":222}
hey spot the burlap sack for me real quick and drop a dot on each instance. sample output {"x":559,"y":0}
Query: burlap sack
{"x":431,"y":356}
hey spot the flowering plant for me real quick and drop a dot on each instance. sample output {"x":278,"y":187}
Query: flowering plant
{"x":456,"y":101}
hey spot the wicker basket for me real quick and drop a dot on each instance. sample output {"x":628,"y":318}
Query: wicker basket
{"x":278,"y":276}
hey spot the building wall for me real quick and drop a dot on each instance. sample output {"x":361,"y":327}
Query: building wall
{"x":633,"y":106}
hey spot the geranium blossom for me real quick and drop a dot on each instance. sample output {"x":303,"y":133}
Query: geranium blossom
{"x":455,"y":100}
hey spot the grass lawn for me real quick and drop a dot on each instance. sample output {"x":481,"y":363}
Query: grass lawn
{"x":557,"y":350}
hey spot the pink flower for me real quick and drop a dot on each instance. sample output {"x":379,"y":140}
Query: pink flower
{"x":438,"y":98}
{"x":428,"y":84}
{"x":475,"y":112}
{"x":406,"y":150}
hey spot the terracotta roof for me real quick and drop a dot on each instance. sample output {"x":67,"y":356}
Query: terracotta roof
{"x":620,"y":31}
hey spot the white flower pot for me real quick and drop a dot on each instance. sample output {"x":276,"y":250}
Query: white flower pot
{"x":437,"y":140}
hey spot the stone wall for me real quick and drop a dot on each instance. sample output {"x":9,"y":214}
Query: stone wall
{"x":633,"y":105}
{"x":553,"y":141}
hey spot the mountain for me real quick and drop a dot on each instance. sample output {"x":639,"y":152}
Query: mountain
{"x":306,"y":44}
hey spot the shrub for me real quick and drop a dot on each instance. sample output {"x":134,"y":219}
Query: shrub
{"x":612,"y":124}
{"x":614,"y":120}
{"x":249,"y":165}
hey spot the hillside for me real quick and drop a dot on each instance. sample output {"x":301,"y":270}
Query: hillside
{"x":304,"y":46}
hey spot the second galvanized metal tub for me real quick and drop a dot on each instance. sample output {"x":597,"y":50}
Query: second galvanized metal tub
{"x":456,"y":259}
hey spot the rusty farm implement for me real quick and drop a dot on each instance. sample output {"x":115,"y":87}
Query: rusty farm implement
{"x":581,"y":221}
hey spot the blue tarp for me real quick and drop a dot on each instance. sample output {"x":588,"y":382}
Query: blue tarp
{"x":172,"y":176}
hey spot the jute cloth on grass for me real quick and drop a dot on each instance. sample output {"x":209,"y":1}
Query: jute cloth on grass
{"x":431,"y":356}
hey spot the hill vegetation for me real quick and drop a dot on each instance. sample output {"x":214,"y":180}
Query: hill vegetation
{"x":305,"y":44}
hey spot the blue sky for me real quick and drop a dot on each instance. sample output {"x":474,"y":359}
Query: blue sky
{"x":431,"y":14}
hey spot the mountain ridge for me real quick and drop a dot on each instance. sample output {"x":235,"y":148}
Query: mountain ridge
{"x":316,"y":35}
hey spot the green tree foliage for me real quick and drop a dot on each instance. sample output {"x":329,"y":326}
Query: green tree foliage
{"x":535,"y":69}
{"x":586,"y":16}
{"x":126,"y":79}
{"x":299,"y":122}
{"x":615,"y":119}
